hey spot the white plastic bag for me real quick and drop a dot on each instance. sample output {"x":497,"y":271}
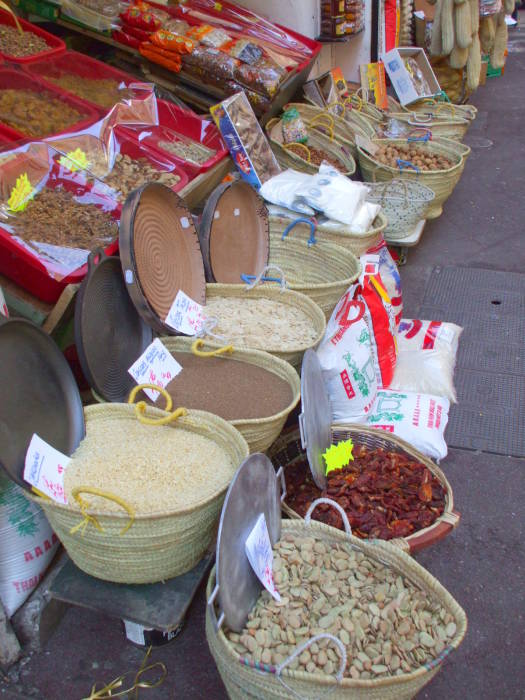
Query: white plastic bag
{"x":282,"y":191}
{"x":389,"y":274}
{"x":420,"y":419}
{"x":334,"y":194}
{"x":27,"y":546}
{"x":365,"y":216}
{"x":427,"y":357}
{"x":345,"y":355}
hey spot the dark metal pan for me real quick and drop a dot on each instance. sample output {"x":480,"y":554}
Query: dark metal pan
{"x":38,"y":395}
{"x":234,"y":233}
{"x":160,"y":253}
{"x":109,"y":333}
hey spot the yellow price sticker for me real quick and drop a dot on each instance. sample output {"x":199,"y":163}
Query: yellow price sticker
{"x":21,"y":194}
{"x":338,"y":456}
{"x":75,"y":160}
{"x":217,"y":7}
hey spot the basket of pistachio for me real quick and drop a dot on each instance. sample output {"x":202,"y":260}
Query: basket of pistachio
{"x":346,"y":617}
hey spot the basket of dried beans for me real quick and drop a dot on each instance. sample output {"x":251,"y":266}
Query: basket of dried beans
{"x":329,"y":634}
{"x":389,"y":491}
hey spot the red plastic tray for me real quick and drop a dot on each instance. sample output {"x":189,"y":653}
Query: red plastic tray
{"x":185,"y":123}
{"x":11,"y":78}
{"x":78,"y":64}
{"x":26,"y":269}
{"x":56,"y":45}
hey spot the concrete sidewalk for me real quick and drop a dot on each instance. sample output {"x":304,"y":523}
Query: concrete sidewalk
{"x":482,"y":563}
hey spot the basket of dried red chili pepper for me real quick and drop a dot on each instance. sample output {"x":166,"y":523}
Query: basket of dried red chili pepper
{"x":389,"y":490}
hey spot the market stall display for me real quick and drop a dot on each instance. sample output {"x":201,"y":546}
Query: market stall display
{"x":53,"y":219}
{"x":270,"y":648}
{"x":91,"y":80}
{"x":28,"y":107}
{"x":23,"y":42}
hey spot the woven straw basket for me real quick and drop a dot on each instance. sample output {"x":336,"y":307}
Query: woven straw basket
{"x":342,"y":235}
{"x":294,"y":299}
{"x":403,"y":202}
{"x":259,"y":433}
{"x":287,"y":451}
{"x":242,"y":681}
{"x":442,"y":109}
{"x":359,"y":101}
{"x":438,"y":125}
{"x":344,"y":131}
{"x":441,"y":182}
{"x":330,"y":146}
{"x":322,"y":271}
{"x":157,"y":546}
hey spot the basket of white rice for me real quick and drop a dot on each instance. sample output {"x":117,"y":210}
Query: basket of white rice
{"x":144,"y":490}
{"x":280,"y":321}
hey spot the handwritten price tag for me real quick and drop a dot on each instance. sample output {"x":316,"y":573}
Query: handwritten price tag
{"x":185,"y":315}
{"x":44,"y":469}
{"x":260,"y":555}
{"x":156,"y":366}
{"x":3,"y":306}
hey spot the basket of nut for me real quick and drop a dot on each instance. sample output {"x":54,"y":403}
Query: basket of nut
{"x":429,"y":162}
{"x":340,"y":616}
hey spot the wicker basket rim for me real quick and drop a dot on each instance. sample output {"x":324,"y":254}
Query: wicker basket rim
{"x":289,"y":296}
{"x":423,"y":193}
{"x":380,"y":223}
{"x":374,"y":549}
{"x":332,"y":250}
{"x":247,"y":355}
{"x":323,"y":142}
{"x":448,"y":512}
{"x":183,"y":422}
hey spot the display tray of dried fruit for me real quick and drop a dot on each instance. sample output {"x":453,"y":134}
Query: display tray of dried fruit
{"x":95,"y":82}
{"x":389,"y":491}
{"x":32,"y":44}
{"x":131,"y":165}
{"x":44,"y":245}
{"x":31,"y":109}
{"x":189,"y":139}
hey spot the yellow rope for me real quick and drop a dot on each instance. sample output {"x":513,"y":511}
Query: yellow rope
{"x":199,"y":343}
{"x":330,"y":125}
{"x":5,"y":6}
{"x":106,"y":693}
{"x":84,"y":505}
{"x":141,"y":406}
{"x":286,"y":147}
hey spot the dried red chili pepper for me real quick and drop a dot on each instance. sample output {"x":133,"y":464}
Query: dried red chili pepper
{"x":384,"y":494}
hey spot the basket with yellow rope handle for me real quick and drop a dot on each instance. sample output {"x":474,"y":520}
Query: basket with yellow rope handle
{"x":359,"y":101}
{"x":329,"y":124}
{"x":125,"y":545}
{"x":259,"y":433}
{"x":299,"y":156}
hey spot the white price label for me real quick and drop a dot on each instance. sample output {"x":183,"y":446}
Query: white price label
{"x":3,"y":306}
{"x":185,"y":315}
{"x":44,"y":469}
{"x":156,"y":366}
{"x":260,"y":555}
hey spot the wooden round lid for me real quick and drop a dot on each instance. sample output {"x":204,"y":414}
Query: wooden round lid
{"x":160,"y":253}
{"x":234,"y":233}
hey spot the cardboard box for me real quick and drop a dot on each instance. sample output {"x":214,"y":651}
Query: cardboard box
{"x":483,"y":72}
{"x":402,"y":81}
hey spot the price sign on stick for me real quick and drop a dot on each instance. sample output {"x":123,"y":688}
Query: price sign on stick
{"x":156,"y":366}
{"x":185,"y":315}
{"x":260,"y":555}
{"x":44,"y":469}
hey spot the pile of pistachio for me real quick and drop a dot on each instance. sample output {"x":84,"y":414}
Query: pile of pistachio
{"x":388,"y":625}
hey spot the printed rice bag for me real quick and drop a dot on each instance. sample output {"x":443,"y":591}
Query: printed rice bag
{"x":345,"y":355}
{"x":419,"y":419}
